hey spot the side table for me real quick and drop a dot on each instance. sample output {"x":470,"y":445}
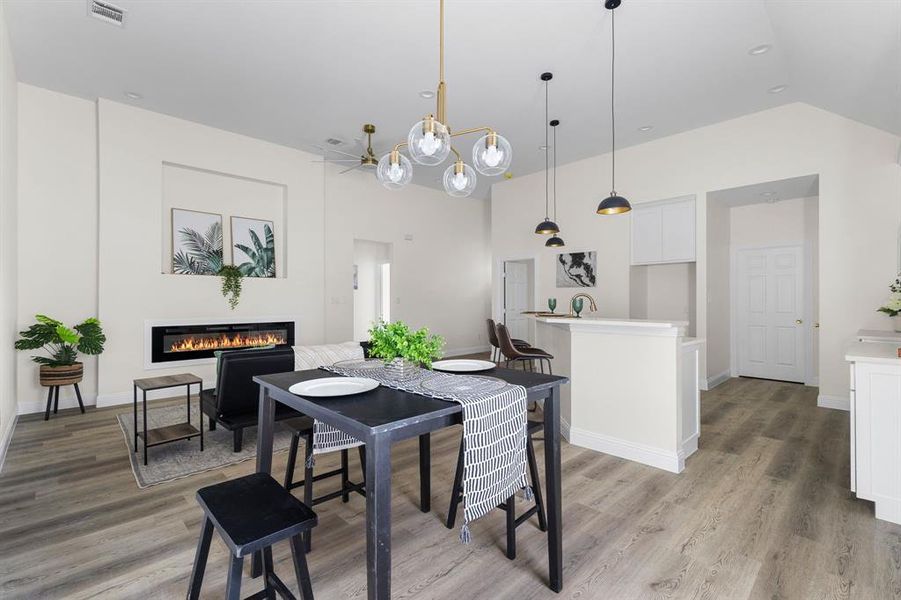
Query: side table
{"x":167,"y":433}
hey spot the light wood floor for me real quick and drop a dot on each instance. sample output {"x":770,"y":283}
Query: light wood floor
{"x":762,"y":511}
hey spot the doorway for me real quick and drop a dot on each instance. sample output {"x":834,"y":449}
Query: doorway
{"x":519,"y":286}
{"x":371,"y":285}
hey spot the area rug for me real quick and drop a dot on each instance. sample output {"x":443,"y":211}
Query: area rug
{"x":184,"y":458}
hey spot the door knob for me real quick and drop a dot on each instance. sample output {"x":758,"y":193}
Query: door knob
{"x":798,"y":321}
{"x":817,"y":325}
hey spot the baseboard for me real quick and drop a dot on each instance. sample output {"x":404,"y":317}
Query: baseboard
{"x":5,"y":438}
{"x":836,"y":402}
{"x":646,"y":455}
{"x":28,"y":407}
{"x":712,"y":382}
{"x":565,"y":429}
{"x":466,"y":350}
{"x":119,"y":398}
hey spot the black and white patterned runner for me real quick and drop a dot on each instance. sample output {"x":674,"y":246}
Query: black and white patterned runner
{"x":494,"y":431}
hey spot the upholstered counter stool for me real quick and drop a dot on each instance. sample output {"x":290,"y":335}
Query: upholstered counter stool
{"x":251,"y":513}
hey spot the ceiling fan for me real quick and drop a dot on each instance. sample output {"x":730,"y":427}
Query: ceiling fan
{"x":366,"y":160}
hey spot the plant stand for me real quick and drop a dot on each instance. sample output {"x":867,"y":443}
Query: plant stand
{"x":56,"y":377}
{"x":53,"y":397}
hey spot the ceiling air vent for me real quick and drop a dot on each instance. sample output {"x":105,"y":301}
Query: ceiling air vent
{"x":334,"y":141}
{"x":107,"y":12}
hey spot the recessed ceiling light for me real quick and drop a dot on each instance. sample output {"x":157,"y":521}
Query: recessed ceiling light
{"x":646,"y":128}
{"x":133,"y":95}
{"x":777,"y":88}
{"x":758,"y":50}
{"x":427,"y":94}
{"x":767,"y":194}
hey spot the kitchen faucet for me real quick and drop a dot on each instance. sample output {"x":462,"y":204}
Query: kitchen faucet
{"x":592,"y":305}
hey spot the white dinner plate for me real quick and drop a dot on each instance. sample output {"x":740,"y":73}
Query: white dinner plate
{"x":462,"y":365}
{"x":334,"y":386}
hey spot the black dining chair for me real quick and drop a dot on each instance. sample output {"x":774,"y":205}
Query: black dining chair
{"x":495,"y":345}
{"x":526,"y":356}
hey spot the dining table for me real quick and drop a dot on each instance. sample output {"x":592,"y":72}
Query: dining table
{"x":383,"y":416}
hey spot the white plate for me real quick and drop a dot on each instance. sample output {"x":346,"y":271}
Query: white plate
{"x":462,"y":365}
{"x":333,"y":386}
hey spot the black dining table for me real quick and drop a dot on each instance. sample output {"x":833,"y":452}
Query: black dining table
{"x":382,"y":416}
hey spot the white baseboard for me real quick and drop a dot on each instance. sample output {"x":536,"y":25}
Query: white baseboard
{"x":836,"y":402}
{"x":118,"y":398}
{"x":565,"y":429}
{"x":887,"y":508}
{"x":67,"y":399}
{"x":5,"y":438}
{"x":712,"y":382}
{"x":646,"y":455}
{"x":466,"y":350}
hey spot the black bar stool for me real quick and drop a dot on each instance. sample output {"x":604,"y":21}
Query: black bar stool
{"x":495,"y":345}
{"x":302,"y":427}
{"x":251,"y":513}
{"x":509,"y":506}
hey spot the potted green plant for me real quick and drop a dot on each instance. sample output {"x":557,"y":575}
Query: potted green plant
{"x":63,"y":345}
{"x":231,"y":284}
{"x":403,"y":349}
{"x":893,"y":307}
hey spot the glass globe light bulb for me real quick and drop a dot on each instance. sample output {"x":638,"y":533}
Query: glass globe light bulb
{"x":492,"y":154}
{"x":429,"y":142}
{"x":394,"y":170}
{"x":460,"y":180}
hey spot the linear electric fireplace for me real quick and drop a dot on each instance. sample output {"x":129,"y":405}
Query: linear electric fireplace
{"x":171,"y":343}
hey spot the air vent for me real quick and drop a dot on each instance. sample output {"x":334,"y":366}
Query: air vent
{"x":334,"y":142}
{"x":106,"y":12}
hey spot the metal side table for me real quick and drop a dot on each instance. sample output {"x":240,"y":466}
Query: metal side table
{"x":168,"y":433}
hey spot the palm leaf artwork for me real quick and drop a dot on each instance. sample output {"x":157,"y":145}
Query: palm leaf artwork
{"x":201,"y":253}
{"x":262,"y":256}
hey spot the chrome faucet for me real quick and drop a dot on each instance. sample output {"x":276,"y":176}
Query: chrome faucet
{"x":592,"y":305}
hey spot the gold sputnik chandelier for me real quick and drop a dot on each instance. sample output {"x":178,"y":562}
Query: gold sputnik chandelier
{"x":430,"y":143}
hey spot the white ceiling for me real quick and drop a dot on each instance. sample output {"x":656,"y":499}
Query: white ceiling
{"x":296,"y":73}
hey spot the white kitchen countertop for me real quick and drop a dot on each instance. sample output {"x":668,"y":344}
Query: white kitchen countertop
{"x":877,"y":352}
{"x":878,"y":335}
{"x":589,"y":320}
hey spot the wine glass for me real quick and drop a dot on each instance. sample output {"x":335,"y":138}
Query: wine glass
{"x":552,"y":304}
{"x":577,"y":306}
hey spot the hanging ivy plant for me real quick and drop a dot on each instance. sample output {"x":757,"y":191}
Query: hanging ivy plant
{"x":231,"y":284}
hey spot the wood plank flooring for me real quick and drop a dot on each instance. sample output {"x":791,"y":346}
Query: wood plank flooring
{"x":761,"y":511}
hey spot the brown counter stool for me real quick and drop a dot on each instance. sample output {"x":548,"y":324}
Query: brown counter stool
{"x":526,"y":355}
{"x":251,"y":513}
{"x":509,"y":506}
{"x":302,"y":427}
{"x":495,"y":345}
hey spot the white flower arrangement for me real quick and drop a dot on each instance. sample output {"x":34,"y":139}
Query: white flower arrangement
{"x":893,"y":307}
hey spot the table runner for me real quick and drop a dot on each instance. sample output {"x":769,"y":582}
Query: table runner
{"x":494,"y":433}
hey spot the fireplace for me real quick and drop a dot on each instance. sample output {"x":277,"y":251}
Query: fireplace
{"x":171,"y":343}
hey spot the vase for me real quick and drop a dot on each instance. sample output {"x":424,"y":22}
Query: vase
{"x":65,"y":375}
{"x":401,"y":369}
{"x":896,"y":322}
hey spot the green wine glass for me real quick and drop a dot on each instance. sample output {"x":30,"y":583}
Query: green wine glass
{"x":577,"y":306}
{"x":552,"y":304}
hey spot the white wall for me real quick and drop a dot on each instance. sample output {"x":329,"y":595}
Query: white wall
{"x":93,"y":213}
{"x":8,"y":247}
{"x":368,"y":258}
{"x":669,"y":293}
{"x":856,"y":163}
{"x":718,"y":294}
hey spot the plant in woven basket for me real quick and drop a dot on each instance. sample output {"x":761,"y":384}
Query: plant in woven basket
{"x":389,"y":341}
{"x":62,"y":343}
{"x":231,"y":284}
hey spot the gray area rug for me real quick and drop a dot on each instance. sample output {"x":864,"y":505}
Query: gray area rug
{"x":184,"y":458}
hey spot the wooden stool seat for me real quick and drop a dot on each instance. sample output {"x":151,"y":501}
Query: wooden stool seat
{"x":251,"y":513}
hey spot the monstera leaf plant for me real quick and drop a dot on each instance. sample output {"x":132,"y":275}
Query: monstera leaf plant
{"x":62,"y":345}
{"x":262,"y":256}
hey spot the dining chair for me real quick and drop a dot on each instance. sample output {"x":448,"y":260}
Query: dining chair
{"x":509,"y":507}
{"x":495,"y":345}
{"x":512,"y":354}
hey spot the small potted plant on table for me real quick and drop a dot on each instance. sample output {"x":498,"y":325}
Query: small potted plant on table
{"x":63,"y":345}
{"x":403,"y":350}
{"x":893,"y":307}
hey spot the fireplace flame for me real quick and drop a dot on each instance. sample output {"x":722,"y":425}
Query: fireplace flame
{"x":224,"y":341}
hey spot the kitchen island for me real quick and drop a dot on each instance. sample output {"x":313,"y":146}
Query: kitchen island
{"x":633,"y":388}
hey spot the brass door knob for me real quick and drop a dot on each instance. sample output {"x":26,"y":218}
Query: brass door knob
{"x":817,"y":325}
{"x":798,"y":321}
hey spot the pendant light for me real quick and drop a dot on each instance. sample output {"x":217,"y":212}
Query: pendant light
{"x":546,"y":227}
{"x":613,"y":204}
{"x":556,"y":241}
{"x":429,"y":143}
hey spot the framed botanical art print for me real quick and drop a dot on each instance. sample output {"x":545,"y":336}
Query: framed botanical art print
{"x":196,"y":242}
{"x":253,"y":246}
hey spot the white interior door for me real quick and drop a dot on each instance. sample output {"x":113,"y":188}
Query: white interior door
{"x":516,"y":298}
{"x":769,"y":313}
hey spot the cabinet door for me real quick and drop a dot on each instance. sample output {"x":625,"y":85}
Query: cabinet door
{"x":646,"y":238}
{"x":677,"y":221}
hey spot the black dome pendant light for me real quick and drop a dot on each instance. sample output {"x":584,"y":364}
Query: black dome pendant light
{"x":614,"y":204}
{"x":546,"y":227}
{"x":556,"y":241}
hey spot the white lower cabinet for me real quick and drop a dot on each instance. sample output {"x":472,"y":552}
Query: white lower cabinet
{"x":876,"y":436}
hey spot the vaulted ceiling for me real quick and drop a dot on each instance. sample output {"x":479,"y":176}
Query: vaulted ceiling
{"x":296,"y":73}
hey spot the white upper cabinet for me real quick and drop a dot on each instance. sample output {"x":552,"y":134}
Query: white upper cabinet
{"x":664,"y":232}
